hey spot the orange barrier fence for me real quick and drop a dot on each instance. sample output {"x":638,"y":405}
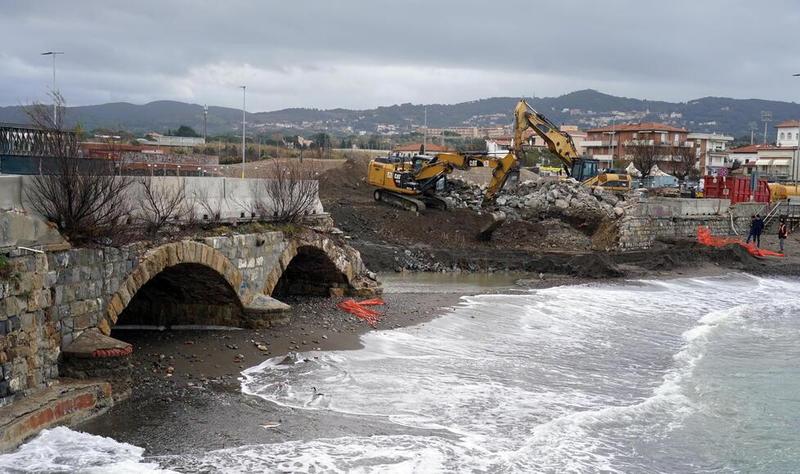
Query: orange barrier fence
{"x":704,"y":237}
{"x":357,"y":308}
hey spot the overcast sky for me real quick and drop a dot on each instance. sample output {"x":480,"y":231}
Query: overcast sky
{"x":365,"y":53}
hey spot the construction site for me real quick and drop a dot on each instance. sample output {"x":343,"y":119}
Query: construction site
{"x":467,"y":213}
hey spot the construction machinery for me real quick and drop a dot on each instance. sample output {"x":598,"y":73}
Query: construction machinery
{"x":585,"y":170}
{"x":412,"y":182}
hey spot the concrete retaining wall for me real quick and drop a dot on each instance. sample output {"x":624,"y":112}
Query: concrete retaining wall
{"x":232,"y":198}
{"x":675,"y":207}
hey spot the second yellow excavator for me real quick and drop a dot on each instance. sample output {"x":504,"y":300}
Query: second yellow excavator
{"x":412,"y":183}
{"x":585,"y":170}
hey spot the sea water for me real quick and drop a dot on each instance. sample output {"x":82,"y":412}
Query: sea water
{"x":685,"y":375}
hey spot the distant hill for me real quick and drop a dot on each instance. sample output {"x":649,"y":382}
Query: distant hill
{"x":586,"y":108}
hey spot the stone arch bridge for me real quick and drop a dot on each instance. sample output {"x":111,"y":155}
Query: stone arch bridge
{"x":48,"y":301}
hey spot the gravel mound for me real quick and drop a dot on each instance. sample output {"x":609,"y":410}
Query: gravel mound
{"x":534,"y":200}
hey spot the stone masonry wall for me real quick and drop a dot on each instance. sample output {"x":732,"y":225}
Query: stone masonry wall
{"x":640,"y":232}
{"x":30,"y":338}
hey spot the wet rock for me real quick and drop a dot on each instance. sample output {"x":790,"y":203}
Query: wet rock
{"x":291,"y":359}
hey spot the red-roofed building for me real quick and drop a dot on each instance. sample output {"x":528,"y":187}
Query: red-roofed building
{"x":607,"y":144}
{"x":747,"y":156}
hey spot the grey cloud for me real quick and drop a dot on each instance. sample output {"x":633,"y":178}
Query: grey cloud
{"x":307,"y":51}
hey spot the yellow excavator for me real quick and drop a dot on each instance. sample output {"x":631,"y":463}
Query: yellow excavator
{"x":412,"y":183}
{"x":585,"y":170}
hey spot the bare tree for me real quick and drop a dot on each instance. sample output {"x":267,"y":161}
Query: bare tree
{"x":161,"y":204}
{"x":290,"y":191}
{"x":685,"y":159}
{"x":83,"y":198}
{"x":643,"y":156}
{"x":211,"y":208}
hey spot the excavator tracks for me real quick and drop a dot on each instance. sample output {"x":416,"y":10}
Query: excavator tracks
{"x":409,"y":203}
{"x":403,"y":202}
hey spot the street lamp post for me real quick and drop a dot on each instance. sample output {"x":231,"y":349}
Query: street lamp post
{"x":244,"y":107}
{"x":55,"y":108}
{"x":205,"y":123}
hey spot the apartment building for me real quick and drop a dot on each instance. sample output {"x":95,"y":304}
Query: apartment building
{"x":608,"y":144}
{"x":712,"y":153}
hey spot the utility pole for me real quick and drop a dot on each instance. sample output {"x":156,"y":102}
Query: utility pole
{"x":205,"y":122}
{"x":753,"y":126}
{"x":425,"y":132}
{"x":244,"y":105}
{"x":611,"y":139}
{"x":766,"y":117}
{"x":55,"y":106}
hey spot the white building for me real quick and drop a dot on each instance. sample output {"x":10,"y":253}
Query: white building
{"x":775,"y":163}
{"x":168,"y":140}
{"x":497,"y":147}
{"x":747,"y":156}
{"x":788,"y":133}
{"x":711,"y":149}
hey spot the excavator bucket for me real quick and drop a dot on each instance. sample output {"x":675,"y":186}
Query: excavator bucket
{"x":496,"y":219}
{"x":512,"y":180}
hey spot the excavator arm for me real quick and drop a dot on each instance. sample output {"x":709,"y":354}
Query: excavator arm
{"x":504,"y":169}
{"x":446,"y":163}
{"x":558,"y":142}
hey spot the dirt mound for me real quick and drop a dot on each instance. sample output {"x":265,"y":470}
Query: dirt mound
{"x":549,"y":234}
{"x":342,"y":180}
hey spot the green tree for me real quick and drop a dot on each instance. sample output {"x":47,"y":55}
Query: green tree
{"x":183,"y":131}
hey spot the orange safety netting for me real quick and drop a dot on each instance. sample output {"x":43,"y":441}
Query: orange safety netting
{"x":704,"y":237}
{"x":357,"y":308}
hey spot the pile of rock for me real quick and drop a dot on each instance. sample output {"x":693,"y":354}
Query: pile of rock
{"x":540,"y":199}
{"x":461,"y":194}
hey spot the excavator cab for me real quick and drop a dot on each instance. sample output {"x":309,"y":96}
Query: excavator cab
{"x":583,"y":169}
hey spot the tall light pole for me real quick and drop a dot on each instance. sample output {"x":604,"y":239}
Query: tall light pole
{"x":766,"y":117}
{"x":244,"y":105}
{"x":425,"y":132}
{"x":205,"y":123}
{"x":55,"y":107}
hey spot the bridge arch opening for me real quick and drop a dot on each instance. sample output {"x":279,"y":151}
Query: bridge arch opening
{"x":311,"y":272}
{"x":184,"y":294}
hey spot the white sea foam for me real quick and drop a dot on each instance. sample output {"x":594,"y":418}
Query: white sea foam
{"x":396,"y":454}
{"x":63,"y":450}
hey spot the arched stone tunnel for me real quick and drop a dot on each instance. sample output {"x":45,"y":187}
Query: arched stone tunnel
{"x":235,"y":281}
{"x":184,"y":294}
{"x":310,"y":273}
